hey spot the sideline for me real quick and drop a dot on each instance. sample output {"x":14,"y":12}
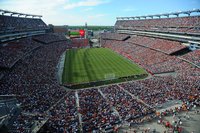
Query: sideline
{"x":60,"y":67}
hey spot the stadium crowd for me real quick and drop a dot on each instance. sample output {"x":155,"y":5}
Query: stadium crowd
{"x":34,"y":83}
{"x":152,"y":60}
{"x":33,"y":79}
{"x":165,"y":89}
{"x":128,"y":107}
{"x":29,"y":77}
{"x":178,"y":24}
{"x":50,"y":38}
{"x":63,"y":117}
{"x":12,"y":51}
{"x":97,"y":114}
{"x":79,"y":43}
{"x":193,"y":57}
{"x":163,"y":45}
{"x":9,"y":24}
{"x":114,"y":36}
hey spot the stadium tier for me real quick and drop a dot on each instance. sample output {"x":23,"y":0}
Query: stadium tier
{"x":193,"y":57}
{"x":163,"y":45}
{"x":79,"y":43}
{"x":64,"y":116}
{"x":153,"y":61}
{"x":115,"y":36}
{"x":13,"y":51}
{"x":179,"y":24}
{"x":9,"y":24}
{"x":29,"y":72}
{"x":14,"y":25}
{"x":49,"y":38}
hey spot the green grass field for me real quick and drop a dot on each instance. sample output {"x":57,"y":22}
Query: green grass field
{"x":96,"y":64}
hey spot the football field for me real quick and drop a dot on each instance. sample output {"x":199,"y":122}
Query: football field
{"x":96,"y":64}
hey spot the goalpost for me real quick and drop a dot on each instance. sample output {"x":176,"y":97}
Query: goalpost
{"x":109,"y":76}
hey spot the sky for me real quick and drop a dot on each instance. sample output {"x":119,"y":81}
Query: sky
{"x":95,"y":12}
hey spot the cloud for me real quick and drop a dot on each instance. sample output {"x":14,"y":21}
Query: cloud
{"x":96,"y":16}
{"x":85,"y":3}
{"x":88,"y":9}
{"x":129,"y":9}
{"x":53,"y":12}
{"x":41,"y":7}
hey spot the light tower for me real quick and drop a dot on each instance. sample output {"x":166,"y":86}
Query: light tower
{"x":86,"y":30}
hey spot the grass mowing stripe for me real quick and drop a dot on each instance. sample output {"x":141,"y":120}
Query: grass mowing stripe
{"x":128,"y":64}
{"x":118,"y":65}
{"x":117,"y":69}
{"x":106,"y":61}
{"x":85,"y":65}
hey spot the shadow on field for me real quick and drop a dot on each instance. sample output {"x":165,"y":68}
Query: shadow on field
{"x":70,"y":67}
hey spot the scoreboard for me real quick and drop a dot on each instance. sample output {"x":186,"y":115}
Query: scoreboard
{"x":77,"y":33}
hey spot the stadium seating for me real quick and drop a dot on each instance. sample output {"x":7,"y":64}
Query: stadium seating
{"x":153,"y":61}
{"x":96,"y":112}
{"x":165,"y":89}
{"x":33,"y":80}
{"x":114,"y":36}
{"x":49,"y":38}
{"x":166,"y":46}
{"x":32,"y":77}
{"x":11,"y":52}
{"x":128,"y":107}
{"x":64,"y":117}
{"x":9,"y":24}
{"x":179,"y":24}
{"x":79,"y":43}
{"x":193,"y":57}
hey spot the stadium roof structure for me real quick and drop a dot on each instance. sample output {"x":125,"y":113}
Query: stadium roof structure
{"x":160,"y":15}
{"x":11,"y":13}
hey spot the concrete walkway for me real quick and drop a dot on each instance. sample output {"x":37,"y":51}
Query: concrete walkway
{"x":189,"y":62}
{"x":112,"y":108}
{"x":38,"y":124}
{"x":189,"y":125}
{"x":60,"y":67}
{"x":79,"y":114}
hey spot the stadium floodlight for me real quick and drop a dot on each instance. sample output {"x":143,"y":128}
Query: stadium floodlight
{"x":165,"y":14}
{"x":14,"y":13}
{"x":197,"y":10}
{"x":17,"y":13}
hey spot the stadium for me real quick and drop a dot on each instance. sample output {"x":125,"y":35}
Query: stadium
{"x":141,"y":76}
